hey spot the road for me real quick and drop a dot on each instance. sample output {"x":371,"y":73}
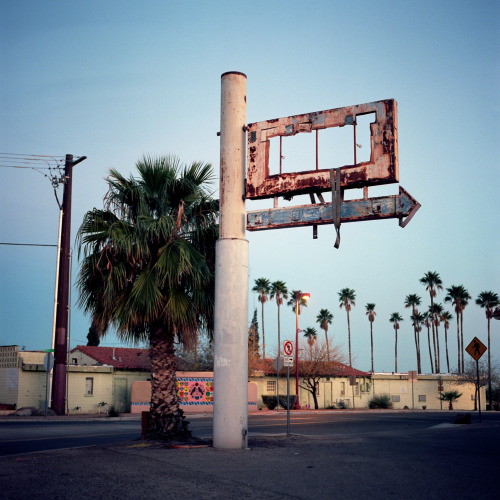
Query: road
{"x":24,"y":436}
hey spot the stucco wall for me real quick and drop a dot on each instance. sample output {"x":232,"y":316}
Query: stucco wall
{"x":195,"y":391}
{"x":9,"y":385}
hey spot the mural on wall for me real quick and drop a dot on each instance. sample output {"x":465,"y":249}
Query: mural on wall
{"x":194,"y":391}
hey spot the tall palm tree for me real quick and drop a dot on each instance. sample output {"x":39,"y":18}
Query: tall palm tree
{"x":370,"y":312}
{"x":395,"y":319}
{"x":324,"y":318}
{"x":310,"y":334}
{"x":262,"y":287}
{"x":445,"y":318}
{"x":488,"y":300}
{"x":347,"y":298}
{"x":427,"y":323}
{"x":292,"y":301}
{"x":459,"y":297}
{"x":433,"y":283}
{"x":435,"y":311}
{"x":417,"y":322}
{"x":148,"y":269}
{"x":279,"y":291}
{"x":413,"y":300}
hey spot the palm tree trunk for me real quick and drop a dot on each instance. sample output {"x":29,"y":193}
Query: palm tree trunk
{"x":166,"y":419}
{"x":371,"y":338}
{"x":459,"y":367}
{"x":490,"y":398}
{"x":327,"y":346}
{"x":396,"y":351}
{"x":446,"y":344}
{"x":417,"y":340}
{"x":438,"y":350}
{"x":263,"y":335}
{"x":436,"y":365}
{"x":430,"y":351}
{"x":462,"y":339}
{"x":279,"y":332}
{"x":349,"y":336}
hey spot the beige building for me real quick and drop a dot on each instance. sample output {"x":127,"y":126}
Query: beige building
{"x":97,"y":378}
{"x":338,"y":391}
{"x":101,"y":377}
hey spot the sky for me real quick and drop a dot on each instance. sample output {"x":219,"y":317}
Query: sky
{"x":116,"y":80}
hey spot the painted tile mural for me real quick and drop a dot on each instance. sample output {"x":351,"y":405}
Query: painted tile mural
{"x":194,"y":391}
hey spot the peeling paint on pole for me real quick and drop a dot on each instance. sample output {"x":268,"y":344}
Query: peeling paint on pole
{"x":231,"y":274}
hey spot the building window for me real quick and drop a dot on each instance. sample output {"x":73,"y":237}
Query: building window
{"x":422,"y":397}
{"x":89,"y":386}
{"x":271,"y":386}
{"x":342,"y":388}
{"x":396,"y":399}
{"x":75,"y":361}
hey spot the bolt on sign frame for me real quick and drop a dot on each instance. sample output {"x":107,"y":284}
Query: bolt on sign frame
{"x":382,"y":168}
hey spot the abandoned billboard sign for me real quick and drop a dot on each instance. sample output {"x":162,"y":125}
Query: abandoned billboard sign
{"x":382,"y":168}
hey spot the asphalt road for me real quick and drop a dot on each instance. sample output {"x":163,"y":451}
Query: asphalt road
{"x":365,"y":455}
{"x":30,"y":435}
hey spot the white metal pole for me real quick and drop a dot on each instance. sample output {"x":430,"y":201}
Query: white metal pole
{"x":231,"y":274}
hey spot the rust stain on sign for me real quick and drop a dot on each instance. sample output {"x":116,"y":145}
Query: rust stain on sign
{"x":382,"y":168}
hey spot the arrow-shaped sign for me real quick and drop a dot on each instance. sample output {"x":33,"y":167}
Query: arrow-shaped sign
{"x":402,"y":206}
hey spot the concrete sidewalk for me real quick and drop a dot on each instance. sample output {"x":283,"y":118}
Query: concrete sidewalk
{"x":444,"y":462}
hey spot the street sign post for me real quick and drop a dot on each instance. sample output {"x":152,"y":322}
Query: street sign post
{"x":48,"y":362}
{"x":278,"y":365}
{"x":476,"y":349}
{"x":288,"y":361}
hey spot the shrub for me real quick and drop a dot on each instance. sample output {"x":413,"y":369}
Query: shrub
{"x":113,"y":412}
{"x":293,"y":397}
{"x":270,"y":401}
{"x":381,"y":401}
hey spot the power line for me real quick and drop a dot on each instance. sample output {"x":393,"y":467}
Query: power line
{"x":27,"y":244}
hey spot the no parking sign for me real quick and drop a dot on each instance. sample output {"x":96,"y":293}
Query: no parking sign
{"x":288,"y":348}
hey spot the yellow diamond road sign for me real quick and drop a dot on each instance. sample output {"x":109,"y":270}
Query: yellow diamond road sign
{"x":476,"y":348}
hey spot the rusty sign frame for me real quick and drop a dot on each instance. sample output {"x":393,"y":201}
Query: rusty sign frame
{"x":383,"y":167}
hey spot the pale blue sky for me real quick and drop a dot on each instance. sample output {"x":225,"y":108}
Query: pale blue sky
{"x":114,"y":80}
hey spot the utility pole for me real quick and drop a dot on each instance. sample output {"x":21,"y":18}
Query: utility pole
{"x":231,"y":273}
{"x":61,"y":345}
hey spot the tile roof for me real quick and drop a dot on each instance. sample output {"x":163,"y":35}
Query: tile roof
{"x":121,"y":358}
{"x":334,"y":370}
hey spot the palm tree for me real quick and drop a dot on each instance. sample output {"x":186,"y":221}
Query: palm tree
{"x":324,"y":318}
{"x":427,"y":323}
{"x":413,"y":300}
{"x":370,"y":312}
{"x":434,"y":313}
{"x":395,"y":319}
{"x":262,"y":287}
{"x":347,"y":297}
{"x":433,"y":283}
{"x":310,"y":334}
{"x":279,"y":291}
{"x":292,"y":301}
{"x":417,"y":321}
{"x":148,"y":269}
{"x":445,"y":317}
{"x":488,"y":301}
{"x":450,"y":396}
{"x":459,"y":297}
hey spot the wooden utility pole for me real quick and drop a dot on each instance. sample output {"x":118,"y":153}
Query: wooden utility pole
{"x":64,"y":282}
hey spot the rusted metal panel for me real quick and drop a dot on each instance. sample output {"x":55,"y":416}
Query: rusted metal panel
{"x":384,"y":207}
{"x":381,"y":169}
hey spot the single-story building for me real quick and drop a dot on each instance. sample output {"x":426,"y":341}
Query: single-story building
{"x":101,"y":377}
